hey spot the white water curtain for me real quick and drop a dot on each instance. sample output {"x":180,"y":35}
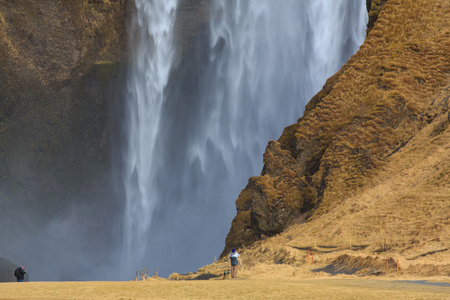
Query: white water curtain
{"x":266,"y":60}
{"x":152,"y":54}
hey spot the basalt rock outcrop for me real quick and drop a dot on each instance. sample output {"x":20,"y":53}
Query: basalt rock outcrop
{"x":393,"y":88}
{"x":373,"y":7}
{"x":7,"y":270}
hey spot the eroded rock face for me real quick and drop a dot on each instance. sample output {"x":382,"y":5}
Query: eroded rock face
{"x":7,"y":270}
{"x":59,"y":64}
{"x":373,"y":8}
{"x":52,"y":39}
{"x":275,"y":199}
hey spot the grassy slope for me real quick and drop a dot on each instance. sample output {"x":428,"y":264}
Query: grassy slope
{"x":385,"y":127}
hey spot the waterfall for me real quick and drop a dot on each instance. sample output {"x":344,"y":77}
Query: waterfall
{"x":152,"y":54}
{"x":268,"y":59}
{"x":195,"y":137}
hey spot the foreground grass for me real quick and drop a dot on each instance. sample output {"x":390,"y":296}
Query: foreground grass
{"x":225,"y":289}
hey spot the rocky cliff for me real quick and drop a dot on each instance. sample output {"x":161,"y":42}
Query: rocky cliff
{"x":368,"y":163}
{"x":58,"y":64}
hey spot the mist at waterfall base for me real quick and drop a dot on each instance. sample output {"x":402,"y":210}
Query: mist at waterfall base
{"x":197,"y":122}
{"x":75,"y":241}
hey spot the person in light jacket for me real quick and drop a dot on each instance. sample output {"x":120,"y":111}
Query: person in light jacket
{"x":234,"y":263}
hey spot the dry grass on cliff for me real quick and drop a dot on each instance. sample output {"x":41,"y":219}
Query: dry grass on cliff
{"x":403,"y":205}
{"x":383,"y":91}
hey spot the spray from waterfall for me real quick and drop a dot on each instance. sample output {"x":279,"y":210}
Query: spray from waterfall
{"x":194,"y":139}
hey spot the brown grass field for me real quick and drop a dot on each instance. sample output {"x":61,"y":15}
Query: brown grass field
{"x":239,"y":288}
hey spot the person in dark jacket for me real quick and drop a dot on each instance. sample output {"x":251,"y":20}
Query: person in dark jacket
{"x":20,"y":273}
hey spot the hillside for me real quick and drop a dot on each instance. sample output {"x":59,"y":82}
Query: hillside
{"x":364,"y":175}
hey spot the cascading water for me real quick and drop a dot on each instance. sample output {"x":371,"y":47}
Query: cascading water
{"x":194,"y":140}
{"x":152,"y":54}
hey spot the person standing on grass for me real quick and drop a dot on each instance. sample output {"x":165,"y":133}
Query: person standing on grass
{"x":20,"y":273}
{"x":234,"y":263}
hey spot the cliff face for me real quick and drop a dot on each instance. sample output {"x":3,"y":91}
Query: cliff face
{"x":54,"y":39}
{"x":392,"y":91}
{"x":58,"y":64}
{"x":373,"y":7}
